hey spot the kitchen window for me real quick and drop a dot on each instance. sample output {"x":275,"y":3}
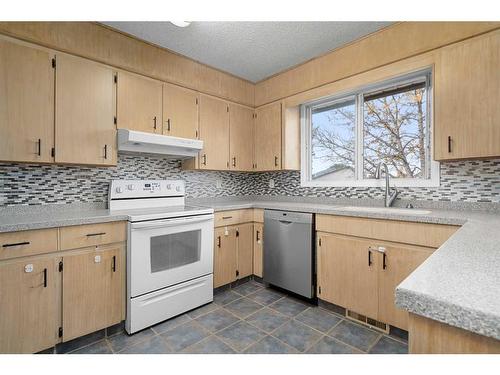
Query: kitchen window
{"x":345,"y":137}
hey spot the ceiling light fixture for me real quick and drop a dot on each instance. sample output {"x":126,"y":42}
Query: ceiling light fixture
{"x":181,"y":23}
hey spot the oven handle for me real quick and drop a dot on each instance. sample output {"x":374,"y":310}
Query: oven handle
{"x":170,"y":222}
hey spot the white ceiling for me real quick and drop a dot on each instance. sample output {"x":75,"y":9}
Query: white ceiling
{"x":250,"y":50}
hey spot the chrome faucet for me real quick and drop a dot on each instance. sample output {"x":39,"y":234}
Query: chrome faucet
{"x":389,"y":198}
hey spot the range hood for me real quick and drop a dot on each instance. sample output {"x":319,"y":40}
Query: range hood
{"x":131,"y":141}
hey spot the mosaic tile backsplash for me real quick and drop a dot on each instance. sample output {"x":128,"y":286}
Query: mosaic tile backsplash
{"x":464,"y":181}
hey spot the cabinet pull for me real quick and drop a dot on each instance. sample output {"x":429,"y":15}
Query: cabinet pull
{"x":384,"y":265}
{"x":45,"y":277}
{"x":168,"y":125}
{"x":204,"y":162}
{"x":218,"y":241}
{"x":113,"y":266}
{"x":449,"y":143}
{"x":16,"y":244}
{"x":105,"y":151}
{"x":39,"y":147}
{"x":226,"y":217}
{"x":257,"y":237}
{"x":96,"y":234}
{"x":369,"y":258}
{"x":154,"y":123}
{"x":275,"y":161}
{"x":234,"y":161}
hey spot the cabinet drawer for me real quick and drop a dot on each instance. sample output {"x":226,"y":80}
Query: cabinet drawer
{"x":423,"y":234}
{"x":233,"y":217}
{"x":29,"y":242}
{"x":78,"y":236}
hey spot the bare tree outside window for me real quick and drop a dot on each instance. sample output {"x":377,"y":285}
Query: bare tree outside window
{"x":349,"y":136}
{"x":394,"y":132}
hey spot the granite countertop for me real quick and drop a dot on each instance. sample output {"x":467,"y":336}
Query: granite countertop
{"x":459,"y":284}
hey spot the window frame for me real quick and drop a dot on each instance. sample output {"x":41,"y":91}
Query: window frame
{"x":358,"y":94}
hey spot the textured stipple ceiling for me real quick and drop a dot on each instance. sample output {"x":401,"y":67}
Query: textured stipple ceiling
{"x":250,"y":50}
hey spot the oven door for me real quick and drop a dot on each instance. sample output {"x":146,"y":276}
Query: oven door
{"x":162,"y":253}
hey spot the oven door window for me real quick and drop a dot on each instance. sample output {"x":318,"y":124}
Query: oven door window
{"x":175,"y":250}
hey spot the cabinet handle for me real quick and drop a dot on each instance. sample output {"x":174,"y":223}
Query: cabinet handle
{"x":234,"y":161}
{"x":226,"y":217}
{"x":105,"y":151}
{"x":113,"y":266}
{"x":257,"y":236}
{"x":218,"y":241}
{"x":154,"y":123}
{"x":16,"y":244}
{"x":45,"y":277}
{"x":449,"y":143}
{"x":384,"y":265}
{"x":168,"y":125}
{"x":96,"y":234}
{"x":369,"y":258}
{"x":39,"y":152}
{"x":204,"y":162}
{"x":275,"y":161}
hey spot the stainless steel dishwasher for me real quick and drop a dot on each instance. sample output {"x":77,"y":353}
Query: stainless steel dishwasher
{"x":288,"y":251}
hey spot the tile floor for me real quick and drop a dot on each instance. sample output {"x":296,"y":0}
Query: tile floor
{"x":250,"y":319}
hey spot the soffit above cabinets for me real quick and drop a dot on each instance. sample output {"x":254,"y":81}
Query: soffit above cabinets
{"x":250,"y":50}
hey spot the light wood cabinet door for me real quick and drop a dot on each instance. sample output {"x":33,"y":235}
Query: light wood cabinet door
{"x":245,"y":250}
{"x":258,"y":254}
{"x":94,"y":290}
{"x":214,"y":131}
{"x":400,"y":261}
{"x":139,"y":103}
{"x":85,"y":111}
{"x":467,"y":97}
{"x":26,"y":103}
{"x":267,"y":138}
{"x":180,"y":111}
{"x":29,"y":305}
{"x":348,"y":273}
{"x":225,"y":259}
{"x":241,"y":124}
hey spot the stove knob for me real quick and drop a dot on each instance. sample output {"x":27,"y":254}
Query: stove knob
{"x":169,"y":186}
{"x":131,"y":187}
{"x":178,"y":188}
{"x":119,"y":189}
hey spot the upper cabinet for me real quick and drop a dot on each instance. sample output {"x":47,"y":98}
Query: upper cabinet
{"x":85,"y":111}
{"x":139,"y":103}
{"x":26,"y":103}
{"x":241,"y":121}
{"x":180,"y":111}
{"x":214,"y":131}
{"x":467,"y":97}
{"x":267,"y":137}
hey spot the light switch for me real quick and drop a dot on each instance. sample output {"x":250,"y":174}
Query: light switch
{"x":218,"y":184}
{"x":271,"y":183}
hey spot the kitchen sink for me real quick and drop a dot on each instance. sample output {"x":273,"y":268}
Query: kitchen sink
{"x":388,"y":210}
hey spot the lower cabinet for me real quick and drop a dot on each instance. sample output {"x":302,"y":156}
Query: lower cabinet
{"x":93,"y":294}
{"x":233,"y":253}
{"x":29,"y":300}
{"x":258,"y":249}
{"x":362,"y":274}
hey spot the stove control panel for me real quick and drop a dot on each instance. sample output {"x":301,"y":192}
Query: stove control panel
{"x":122,"y":189}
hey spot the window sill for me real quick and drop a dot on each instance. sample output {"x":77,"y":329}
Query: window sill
{"x":371,"y":183}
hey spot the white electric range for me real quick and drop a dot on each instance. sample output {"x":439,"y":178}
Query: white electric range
{"x":169,"y":250}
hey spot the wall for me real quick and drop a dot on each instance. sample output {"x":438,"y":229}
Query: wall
{"x":36,"y":184}
{"x":462,"y":181}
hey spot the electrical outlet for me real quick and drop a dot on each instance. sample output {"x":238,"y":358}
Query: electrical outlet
{"x":271,"y":183}
{"x":218,"y":184}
